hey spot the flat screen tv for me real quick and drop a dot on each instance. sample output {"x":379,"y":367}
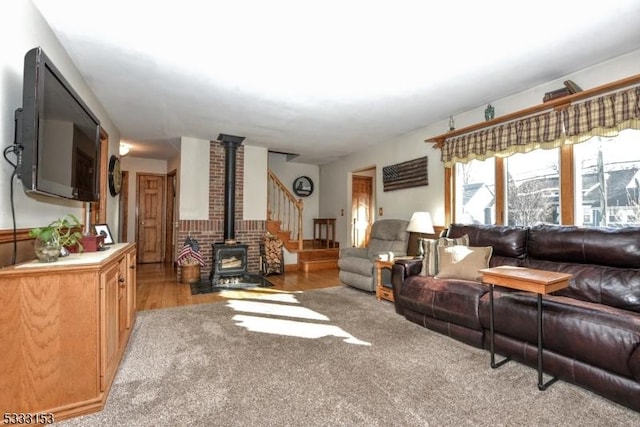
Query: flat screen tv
{"x":58,"y":136}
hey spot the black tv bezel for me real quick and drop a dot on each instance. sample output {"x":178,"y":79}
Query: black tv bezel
{"x":36,"y":62}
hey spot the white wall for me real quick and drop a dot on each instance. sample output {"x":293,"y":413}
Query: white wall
{"x":287,"y":172}
{"x":21,"y":29}
{"x":335,"y":178}
{"x":136,"y":165}
{"x":194,"y":179}
{"x":254,"y":196}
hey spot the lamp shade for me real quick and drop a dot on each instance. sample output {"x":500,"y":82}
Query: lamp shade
{"x":420,"y":222}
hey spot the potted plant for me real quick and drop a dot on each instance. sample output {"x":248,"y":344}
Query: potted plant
{"x":54,"y":240}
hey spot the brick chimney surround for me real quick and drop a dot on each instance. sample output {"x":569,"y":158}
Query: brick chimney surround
{"x":212,"y":230}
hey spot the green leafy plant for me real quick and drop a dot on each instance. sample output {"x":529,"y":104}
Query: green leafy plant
{"x":62,"y":230}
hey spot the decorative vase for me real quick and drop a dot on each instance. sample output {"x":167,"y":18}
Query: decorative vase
{"x":47,"y":251}
{"x":489,"y":112}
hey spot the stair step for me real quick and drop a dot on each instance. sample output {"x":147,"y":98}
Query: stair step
{"x":318,"y":264}
{"x":284,"y":235}
{"x":308,"y":255}
{"x":273,"y":227}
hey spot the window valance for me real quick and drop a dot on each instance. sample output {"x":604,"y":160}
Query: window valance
{"x":604,"y":115}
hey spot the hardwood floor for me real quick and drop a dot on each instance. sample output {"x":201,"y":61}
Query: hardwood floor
{"x":158,"y":287}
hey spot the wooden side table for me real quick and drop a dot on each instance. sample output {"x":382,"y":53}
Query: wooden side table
{"x":540,"y":282}
{"x":329,"y":225}
{"x":382,"y":291}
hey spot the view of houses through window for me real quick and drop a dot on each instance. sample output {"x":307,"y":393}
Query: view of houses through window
{"x":607,"y":185}
{"x":533,"y":187}
{"x":607,"y":189}
{"x":475,"y":192}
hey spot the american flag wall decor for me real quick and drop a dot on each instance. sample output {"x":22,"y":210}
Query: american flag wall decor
{"x":412,"y":173}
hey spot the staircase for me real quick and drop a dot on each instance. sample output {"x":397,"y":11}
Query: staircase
{"x":310,"y":257}
{"x":284,"y":219}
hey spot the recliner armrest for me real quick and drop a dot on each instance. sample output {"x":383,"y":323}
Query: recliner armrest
{"x":354,"y":252}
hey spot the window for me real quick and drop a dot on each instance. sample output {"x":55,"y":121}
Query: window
{"x":572,"y":181}
{"x":475,"y":192}
{"x":607,"y":181}
{"x":533,"y":190}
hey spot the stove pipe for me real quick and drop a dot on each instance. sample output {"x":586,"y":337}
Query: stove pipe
{"x":231,"y":144}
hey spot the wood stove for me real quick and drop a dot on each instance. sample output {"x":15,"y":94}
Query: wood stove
{"x":229,"y":257}
{"x":230,"y":264}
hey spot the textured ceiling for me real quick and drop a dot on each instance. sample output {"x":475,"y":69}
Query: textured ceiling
{"x":326,"y":78}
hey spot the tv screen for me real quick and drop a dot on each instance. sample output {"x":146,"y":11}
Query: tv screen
{"x":58,"y":135}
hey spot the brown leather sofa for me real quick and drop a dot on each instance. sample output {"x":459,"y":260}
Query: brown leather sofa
{"x":591,"y":329}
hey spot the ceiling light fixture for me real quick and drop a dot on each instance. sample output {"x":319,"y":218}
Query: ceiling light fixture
{"x":124,"y":149}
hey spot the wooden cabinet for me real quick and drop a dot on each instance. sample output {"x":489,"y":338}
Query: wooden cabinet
{"x":63,"y":329}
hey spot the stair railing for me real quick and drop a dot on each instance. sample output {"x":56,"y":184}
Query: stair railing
{"x":282,"y":206}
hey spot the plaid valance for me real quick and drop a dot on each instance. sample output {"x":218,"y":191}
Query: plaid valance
{"x":602,"y":116}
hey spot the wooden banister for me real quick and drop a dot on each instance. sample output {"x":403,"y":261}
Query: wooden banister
{"x":283,"y":206}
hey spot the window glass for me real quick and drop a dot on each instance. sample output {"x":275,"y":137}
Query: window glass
{"x":608,"y":180}
{"x":533,"y":187}
{"x":475,"y":192}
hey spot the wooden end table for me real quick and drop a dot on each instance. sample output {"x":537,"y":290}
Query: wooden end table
{"x":329,"y":225}
{"x":540,"y":282}
{"x":382,"y":291}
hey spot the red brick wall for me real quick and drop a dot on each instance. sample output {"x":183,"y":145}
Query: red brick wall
{"x":210,"y":231}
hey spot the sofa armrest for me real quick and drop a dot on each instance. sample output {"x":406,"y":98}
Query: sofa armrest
{"x":410,"y":267}
{"x":401,"y":270}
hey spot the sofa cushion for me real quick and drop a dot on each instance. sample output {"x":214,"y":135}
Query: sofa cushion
{"x":616,"y":287}
{"x":586,"y":245}
{"x":449,"y":300}
{"x":507,"y":241}
{"x":462,"y":262}
{"x":454,"y":241}
{"x":430,"y":260}
{"x":430,"y":246}
{"x":592,"y":333}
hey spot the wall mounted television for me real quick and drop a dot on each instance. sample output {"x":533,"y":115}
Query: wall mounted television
{"x":58,"y":136}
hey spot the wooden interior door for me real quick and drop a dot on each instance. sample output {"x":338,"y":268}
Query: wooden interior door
{"x":124,"y":208}
{"x":361,"y":206}
{"x":150,"y":202}
{"x":170,"y":223}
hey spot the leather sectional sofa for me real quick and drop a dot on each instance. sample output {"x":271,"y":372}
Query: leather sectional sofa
{"x":591,"y":329}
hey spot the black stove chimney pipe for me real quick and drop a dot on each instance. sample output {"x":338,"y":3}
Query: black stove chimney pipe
{"x":231,"y":144}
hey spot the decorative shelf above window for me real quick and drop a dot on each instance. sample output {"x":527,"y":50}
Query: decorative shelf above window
{"x":545,"y":123}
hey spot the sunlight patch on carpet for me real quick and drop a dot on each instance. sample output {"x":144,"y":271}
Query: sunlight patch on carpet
{"x":275,"y":309}
{"x":261,"y":294}
{"x":294,"y":328}
{"x":286,"y":305}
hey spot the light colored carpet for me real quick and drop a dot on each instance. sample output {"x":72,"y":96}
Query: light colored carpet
{"x":348,"y":360}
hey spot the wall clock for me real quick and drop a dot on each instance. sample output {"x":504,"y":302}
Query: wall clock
{"x":115,"y":176}
{"x":303,"y":186}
